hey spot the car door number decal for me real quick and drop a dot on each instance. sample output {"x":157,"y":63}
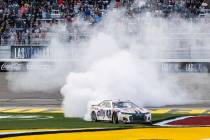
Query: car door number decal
{"x":109,"y":113}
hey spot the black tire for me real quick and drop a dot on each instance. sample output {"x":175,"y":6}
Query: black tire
{"x":115,"y":118}
{"x":93,"y":117}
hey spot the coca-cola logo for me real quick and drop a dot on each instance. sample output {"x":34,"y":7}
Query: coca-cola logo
{"x":21,"y":66}
{"x":11,"y":67}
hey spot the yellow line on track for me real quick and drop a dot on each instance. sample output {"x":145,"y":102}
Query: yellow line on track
{"x":197,"y":111}
{"x":189,"y":111}
{"x":2,"y":109}
{"x":15,"y":110}
{"x":197,"y":133}
{"x":36,"y":110}
{"x":30,"y":110}
{"x":160,"y":111}
{"x":55,"y":111}
{"x":59,"y":110}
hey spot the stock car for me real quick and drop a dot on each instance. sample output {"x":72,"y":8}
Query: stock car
{"x":119,"y":111}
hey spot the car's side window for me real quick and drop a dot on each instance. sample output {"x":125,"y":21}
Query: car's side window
{"x":101,"y":104}
{"x":107,"y":104}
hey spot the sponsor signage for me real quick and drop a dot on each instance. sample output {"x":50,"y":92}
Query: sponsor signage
{"x":173,"y":67}
{"x":188,"y":67}
{"x":28,"y":52}
{"x":24,"y":66}
{"x":12,"y":66}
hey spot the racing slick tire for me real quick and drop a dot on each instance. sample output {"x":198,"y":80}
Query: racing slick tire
{"x":115,"y":118}
{"x":93,"y":117}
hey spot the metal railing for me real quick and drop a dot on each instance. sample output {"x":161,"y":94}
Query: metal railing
{"x":39,"y":39}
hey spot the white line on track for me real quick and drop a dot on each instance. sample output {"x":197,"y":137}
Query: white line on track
{"x":165,"y":123}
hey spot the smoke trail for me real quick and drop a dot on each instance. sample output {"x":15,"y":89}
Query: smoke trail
{"x":116,"y":65}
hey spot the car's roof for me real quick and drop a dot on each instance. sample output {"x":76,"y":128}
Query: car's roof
{"x":115,"y":100}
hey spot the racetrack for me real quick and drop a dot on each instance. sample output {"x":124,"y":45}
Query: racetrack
{"x":53,"y":99}
{"x":195,"y":84}
{"x":196,"y":133}
{"x":10,"y":98}
{"x":7,"y":93}
{"x":51,"y":124}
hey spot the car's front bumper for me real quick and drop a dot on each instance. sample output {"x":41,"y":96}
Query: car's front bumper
{"x":136,"y":118}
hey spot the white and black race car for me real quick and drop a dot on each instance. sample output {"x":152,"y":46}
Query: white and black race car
{"x":119,"y":111}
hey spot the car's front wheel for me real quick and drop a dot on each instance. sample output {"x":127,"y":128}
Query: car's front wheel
{"x":93,"y":117}
{"x":115,"y":118}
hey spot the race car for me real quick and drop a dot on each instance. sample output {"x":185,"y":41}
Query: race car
{"x":119,"y":111}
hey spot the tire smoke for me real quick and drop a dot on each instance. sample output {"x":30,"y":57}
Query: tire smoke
{"x":117,"y":63}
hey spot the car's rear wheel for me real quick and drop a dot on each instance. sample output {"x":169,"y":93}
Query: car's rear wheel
{"x":115,"y":118}
{"x":93,"y":117}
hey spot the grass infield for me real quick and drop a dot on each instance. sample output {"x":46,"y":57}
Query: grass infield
{"x":58,"y":121}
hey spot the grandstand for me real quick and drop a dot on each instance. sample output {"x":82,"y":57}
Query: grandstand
{"x":28,"y":22}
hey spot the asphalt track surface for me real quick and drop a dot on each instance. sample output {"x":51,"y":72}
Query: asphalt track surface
{"x":195,"y":84}
{"x":7,"y":93}
{"x":11,"y":98}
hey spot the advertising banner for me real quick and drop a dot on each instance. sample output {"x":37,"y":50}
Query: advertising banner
{"x":188,"y":67}
{"x":28,"y":52}
{"x":25,"y":66}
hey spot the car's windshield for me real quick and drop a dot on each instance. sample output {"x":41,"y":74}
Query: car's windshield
{"x":124,"y":105}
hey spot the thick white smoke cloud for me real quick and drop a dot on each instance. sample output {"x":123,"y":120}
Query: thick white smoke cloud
{"x":120,"y":76}
{"x":116,"y":64}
